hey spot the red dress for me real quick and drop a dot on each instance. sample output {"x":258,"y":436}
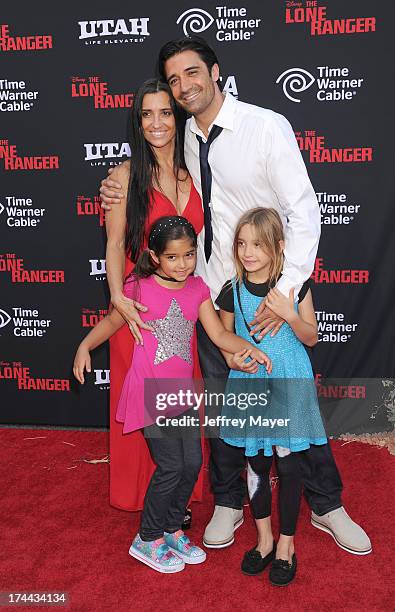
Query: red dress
{"x":131,"y":466}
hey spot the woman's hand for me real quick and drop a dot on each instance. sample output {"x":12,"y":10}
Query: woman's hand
{"x":129,"y":310}
{"x":237,"y":361}
{"x":110,"y":192}
{"x":282,"y":306}
{"x":82,"y":361}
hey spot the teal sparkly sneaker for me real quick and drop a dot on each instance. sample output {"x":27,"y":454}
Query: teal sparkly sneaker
{"x":157,"y":555}
{"x":181,"y":545}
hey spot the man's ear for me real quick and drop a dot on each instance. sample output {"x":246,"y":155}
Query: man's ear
{"x":154,"y":257}
{"x":215,"y":72}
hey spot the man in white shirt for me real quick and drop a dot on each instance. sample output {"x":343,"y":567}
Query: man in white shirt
{"x":254,"y":161}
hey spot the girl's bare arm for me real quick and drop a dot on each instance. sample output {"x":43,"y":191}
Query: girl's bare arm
{"x":225,"y":339}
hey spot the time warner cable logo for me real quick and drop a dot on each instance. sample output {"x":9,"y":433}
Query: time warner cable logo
{"x":334,"y":84}
{"x":233,"y":24}
{"x":195,"y":20}
{"x":26,"y":321}
{"x":4,"y":318}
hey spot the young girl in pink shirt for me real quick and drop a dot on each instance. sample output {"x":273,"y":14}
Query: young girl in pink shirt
{"x":163,"y":281}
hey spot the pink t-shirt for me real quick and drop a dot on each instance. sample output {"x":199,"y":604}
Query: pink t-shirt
{"x":166,"y":352}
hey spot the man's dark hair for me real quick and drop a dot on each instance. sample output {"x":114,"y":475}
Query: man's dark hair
{"x":194,"y":43}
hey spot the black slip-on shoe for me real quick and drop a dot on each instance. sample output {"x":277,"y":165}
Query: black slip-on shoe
{"x":282,"y":572}
{"x":253,"y":563}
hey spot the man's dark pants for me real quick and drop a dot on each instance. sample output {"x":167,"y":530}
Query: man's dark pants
{"x":321,"y":479}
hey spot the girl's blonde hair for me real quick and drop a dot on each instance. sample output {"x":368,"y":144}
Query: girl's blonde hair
{"x":269,"y":229}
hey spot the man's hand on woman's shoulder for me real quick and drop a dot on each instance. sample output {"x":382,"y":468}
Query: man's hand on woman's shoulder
{"x":112,"y":190}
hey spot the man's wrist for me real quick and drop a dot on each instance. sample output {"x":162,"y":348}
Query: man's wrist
{"x":292,"y":318}
{"x":228,"y":358}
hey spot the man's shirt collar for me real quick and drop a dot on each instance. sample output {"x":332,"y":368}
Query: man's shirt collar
{"x":224,"y":119}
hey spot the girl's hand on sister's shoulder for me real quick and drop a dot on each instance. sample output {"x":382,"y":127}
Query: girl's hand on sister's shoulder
{"x":238,"y":361}
{"x":82,"y":361}
{"x":279,"y":304}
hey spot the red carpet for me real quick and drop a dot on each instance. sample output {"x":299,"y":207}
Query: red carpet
{"x":60,"y":534}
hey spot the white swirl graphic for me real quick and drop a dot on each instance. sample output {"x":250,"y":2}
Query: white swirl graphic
{"x":195,"y":20}
{"x":295,"y":81}
{"x":4,"y":318}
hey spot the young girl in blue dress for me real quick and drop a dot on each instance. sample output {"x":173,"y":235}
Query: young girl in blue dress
{"x":258,"y":253}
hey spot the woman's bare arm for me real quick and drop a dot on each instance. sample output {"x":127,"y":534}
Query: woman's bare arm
{"x":116,"y":228}
{"x":115,"y":259}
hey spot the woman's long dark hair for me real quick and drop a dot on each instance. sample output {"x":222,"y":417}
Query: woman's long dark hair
{"x":144,"y":166}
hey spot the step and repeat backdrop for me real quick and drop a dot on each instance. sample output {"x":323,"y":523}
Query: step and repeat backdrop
{"x":67,"y":81}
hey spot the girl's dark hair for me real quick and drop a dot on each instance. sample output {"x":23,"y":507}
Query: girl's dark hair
{"x":161,"y":232}
{"x":144,"y":166}
{"x":194,"y":43}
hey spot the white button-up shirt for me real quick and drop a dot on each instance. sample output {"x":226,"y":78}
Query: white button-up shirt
{"x":255,"y":161}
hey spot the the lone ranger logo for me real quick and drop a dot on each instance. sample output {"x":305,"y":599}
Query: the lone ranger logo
{"x":314,"y":145}
{"x":326,"y":388}
{"x":90,"y":206}
{"x":335,"y":209}
{"x":20,"y":212}
{"x":114,"y":31}
{"x":15,"y":97}
{"x":317,"y":18}
{"x":108,"y":153}
{"x":331,"y":84}
{"x":26,"y":321}
{"x":30,"y":42}
{"x":18,"y":371}
{"x":15,"y":265}
{"x":97,"y":90}
{"x":12,"y":161}
{"x":89,"y":318}
{"x":338,"y":277}
{"x":232,"y":24}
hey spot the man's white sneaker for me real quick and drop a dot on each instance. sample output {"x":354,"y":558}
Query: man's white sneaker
{"x":346,"y":533}
{"x":224,"y":522}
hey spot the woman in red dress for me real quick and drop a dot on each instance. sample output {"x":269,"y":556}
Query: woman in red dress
{"x":157,"y":183}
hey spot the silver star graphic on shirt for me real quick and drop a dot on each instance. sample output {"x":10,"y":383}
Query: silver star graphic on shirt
{"x":173,"y":333}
